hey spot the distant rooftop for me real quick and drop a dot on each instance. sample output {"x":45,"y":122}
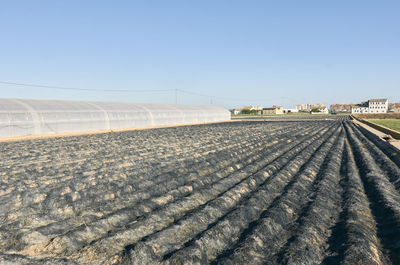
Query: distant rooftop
{"x":378,"y":100}
{"x":319,"y":107}
{"x":274,"y":107}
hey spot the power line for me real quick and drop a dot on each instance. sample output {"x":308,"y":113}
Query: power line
{"x":143,"y":91}
{"x":85,"y":89}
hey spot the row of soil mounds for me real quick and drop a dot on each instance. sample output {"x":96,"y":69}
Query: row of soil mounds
{"x":249,"y":192}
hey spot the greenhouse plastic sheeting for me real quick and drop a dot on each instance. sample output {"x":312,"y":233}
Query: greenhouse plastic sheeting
{"x":20,"y":117}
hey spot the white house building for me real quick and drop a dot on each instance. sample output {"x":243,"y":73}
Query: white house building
{"x":371,"y":106}
{"x":324,"y":110}
{"x":320,"y":109}
{"x":290,"y":110}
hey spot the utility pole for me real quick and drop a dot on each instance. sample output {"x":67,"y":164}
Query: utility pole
{"x":176,"y":96}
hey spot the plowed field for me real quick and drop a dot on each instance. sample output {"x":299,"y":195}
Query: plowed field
{"x":311,"y":191}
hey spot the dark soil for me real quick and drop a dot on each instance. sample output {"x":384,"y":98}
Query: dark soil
{"x":306,"y":191}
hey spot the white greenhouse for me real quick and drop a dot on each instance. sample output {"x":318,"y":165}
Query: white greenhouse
{"x":21,"y":117}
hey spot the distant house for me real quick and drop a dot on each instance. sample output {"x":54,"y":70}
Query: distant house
{"x":247,"y":110}
{"x":394,"y":107}
{"x":396,"y":110}
{"x":304,"y":107}
{"x":320,"y":109}
{"x":340,"y":107}
{"x":378,"y":105}
{"x":258,"y":110}
{"x":236,"y":111}
{"x":371,"y":106}
{"x":360,"y":108}
{"x":310,"y":107}
{"x":272,"y":110}
{"x":290,"y":110}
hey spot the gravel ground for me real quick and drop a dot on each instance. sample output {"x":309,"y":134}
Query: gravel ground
{"x":305,"y":191}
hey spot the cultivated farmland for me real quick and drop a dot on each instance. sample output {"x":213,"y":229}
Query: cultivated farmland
{"x":306,"y":191}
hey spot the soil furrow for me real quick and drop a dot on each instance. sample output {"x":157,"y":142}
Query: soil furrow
{"x":275,"y":225}
{"x":248,"y":208}
{"x":381,"y":159}
{"x":310,"y":242}
{"x":361,"y":245}
{"x":84,"y":234}
{"x":382,"y":195}
{"x":304,"y":190}
{"x":176,"y":212}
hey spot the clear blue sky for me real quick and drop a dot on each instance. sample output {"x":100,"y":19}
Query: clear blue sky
{"x":242,"y":52}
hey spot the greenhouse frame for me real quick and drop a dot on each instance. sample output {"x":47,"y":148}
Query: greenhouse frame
{"x":22,"y":117}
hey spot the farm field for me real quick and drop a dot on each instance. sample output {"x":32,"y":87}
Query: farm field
{"x":306,"y":191}
{"x":289,"y":117}
{"x":272,"y":115}
{"x":391,"y":124}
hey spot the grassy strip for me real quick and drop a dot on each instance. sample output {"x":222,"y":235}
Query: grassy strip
{"x":386,"y":116}
{"x":391,"y":124}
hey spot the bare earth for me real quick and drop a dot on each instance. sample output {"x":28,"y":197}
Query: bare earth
{"x":305,"y":191}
